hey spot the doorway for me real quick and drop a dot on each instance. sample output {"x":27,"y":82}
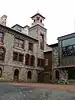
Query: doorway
{"x":16,"y":75}
{"x":57,"y":74}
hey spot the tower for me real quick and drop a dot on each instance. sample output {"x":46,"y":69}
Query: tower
{"x":38,"y":19}
{"x":3,"y":20}
{"x":38,"y":31}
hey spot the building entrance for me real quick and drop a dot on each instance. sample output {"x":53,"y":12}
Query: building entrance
{"x":16,"y":75}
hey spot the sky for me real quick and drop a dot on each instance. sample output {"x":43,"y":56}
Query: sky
{"x":60,"y":15}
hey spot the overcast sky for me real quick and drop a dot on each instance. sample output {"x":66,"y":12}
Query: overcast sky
{"x":60,"y":15}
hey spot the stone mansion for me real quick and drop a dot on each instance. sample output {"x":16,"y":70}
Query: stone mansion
{"x":22,"y":50}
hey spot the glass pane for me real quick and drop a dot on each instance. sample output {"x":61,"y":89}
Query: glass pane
{"x":67,"y":42}
{"x":21,"y":57}
{"x":15,"y":55}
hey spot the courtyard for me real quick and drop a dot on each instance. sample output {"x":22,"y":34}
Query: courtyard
{"x":36,"y":91}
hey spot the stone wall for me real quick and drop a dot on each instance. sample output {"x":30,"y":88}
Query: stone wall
{"x":54,"y":57}
{"x":9,"y":65}
{"x":63,"y":74}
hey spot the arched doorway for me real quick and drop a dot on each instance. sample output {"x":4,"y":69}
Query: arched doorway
{"x":57,"y":74}
{"x":40,"y":77}
{"x":29,"y":75}
{"x":16,"y":75}
{"x":0,"y":72}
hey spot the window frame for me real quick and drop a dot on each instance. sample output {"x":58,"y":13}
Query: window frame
{"x":2,"y":38}
{"x":27,"y":59}
{"x":46,"y":62}
{"x":40,"y":62}
{"x":18,"y":56}
{"x":32,"y":60}
{"x":18,"y":43}
{"x":2,"y":55}
{"x":30,"y":46}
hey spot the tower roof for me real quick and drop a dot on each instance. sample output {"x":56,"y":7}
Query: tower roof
{"x":38,"y":14}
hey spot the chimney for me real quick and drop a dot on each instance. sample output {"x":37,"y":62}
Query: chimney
{"x":3,"y":20}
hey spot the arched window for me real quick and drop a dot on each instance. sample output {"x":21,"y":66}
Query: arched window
{"x":32,"y":60}
{"x":29,"y":75}
{"x":0,"y":72}
{"x":2,"y":53}
{"x":27,"y":59}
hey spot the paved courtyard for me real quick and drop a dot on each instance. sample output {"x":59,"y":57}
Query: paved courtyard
{"x":25,"y":91}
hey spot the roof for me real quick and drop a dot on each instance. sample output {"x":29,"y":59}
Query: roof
{"x":11,"y":29}
{"x":37,"y":25}
{"x":47,"y":49}
{"x":53,"y":45}
{"x":66,"y":35}
{"x":38,"y":14}
{"x":19,"y":26}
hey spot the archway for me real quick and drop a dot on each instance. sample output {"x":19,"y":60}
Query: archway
{"x":16,"y":75}
{"x":0,"y":72}
{"x":41,"y":77}
{"x":57,"y":74}
{"x":29,"y":75}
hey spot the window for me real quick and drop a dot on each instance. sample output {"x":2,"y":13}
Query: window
{"x":19,"y":43}
{"x":2,"y":53}
{"x":15,"y":56}
{"x":32,"y":60}
{"x":1,"y":37}
{"x":34,"y":20}
{"x":40,"y":62}
{"x":38,"y":18}
{"x":68,"y":50}
{"x":18,"y":56}
{"x":41,"y":20}
{"x":21,"y":57}
{"x":67,"y":42}
{"x":46,"y":62}
{"x":42,"y":41}
{"x":31,"y":46}
{"x":27,"y":59}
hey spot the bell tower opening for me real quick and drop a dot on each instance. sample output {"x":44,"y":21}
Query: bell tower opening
{"x":38,"y":19}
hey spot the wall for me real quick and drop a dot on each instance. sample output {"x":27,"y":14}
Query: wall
{"x":54,"y":60}
{"x":9,"y":65}
{"x":48,"y":55}
{"x":48,"y":68}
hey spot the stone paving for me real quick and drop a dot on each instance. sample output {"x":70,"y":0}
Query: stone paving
{"x":19,"y":92}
